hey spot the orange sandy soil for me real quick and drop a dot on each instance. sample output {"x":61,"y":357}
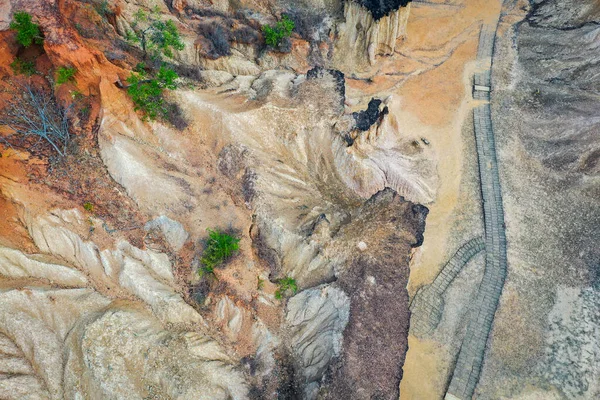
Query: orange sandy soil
{"x":435,"y":65}
{"x":431,"y":73}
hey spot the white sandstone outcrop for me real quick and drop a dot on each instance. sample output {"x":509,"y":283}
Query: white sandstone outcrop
{"x":316,"y":319}
{"x":173,"y":231}
{"x":388,"y":156}
{"x":106,"y":327}
{"x":15,"y":264}
{"x":362,"y":38}
{"x":145,"y":274}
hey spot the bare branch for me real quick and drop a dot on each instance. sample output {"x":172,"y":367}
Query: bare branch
{"x":35,"y":112}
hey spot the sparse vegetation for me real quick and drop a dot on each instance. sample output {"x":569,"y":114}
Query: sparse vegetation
{"x":85,"y":110}
{"x":79,"y":28}
{"x":157,"y":38}
{"x":140,"y":68}
{"x":20,"y":66}
{"x":307,"y":23}
{"x":275,"y":34}
{"x":220,"y":246}
{"x":286,"y":285}
{"x":102,"y":8}
{"x":64,"y":75}
{"x":76,"y":95}
{"x":217,"y":37}
{"x":147,"y":92}
{"x":27,"y":31}
{"x":88,"y":206}
{"x":260,"y":283}
{"x":34,"y":113}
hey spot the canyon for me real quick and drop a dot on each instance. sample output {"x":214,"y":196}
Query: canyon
{"x":412,"y":189}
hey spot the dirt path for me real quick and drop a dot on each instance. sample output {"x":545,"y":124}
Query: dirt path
{"x":455,"y":215}
{"x":470,"y":358}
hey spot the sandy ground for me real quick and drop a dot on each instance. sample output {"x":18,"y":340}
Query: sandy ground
{"x":438,"y":103}
{"x":431,"y":72}
{"x":12,"y":233}
{"x":441,"y":99}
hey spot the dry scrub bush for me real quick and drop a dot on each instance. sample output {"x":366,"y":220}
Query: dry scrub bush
{"x":33,"y":113}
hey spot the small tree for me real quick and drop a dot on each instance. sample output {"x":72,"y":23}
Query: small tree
{"x":286,"y":284}
{"x":275,"y":34}
{"x":64,"y":75}
{"x":33,"y":112}
{"x":220,"y":246}
{"x":147,"y":92}
{"x":27,"y":32}
{"x":157,"y":38}
{"x":102,"y":8}
{"x":20,"y":66}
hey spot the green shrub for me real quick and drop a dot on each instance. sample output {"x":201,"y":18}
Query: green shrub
{"x":88,"y":206}
{"x":64,"y":75}
{"x":275,"y":34}
{"x":147,"y":93}
{"x":286,"y":284}
{"x":27,"y":32}
{"x":77,"y":95}
{"x":85,"y":110}
{"x":20,"y":66}
{"x":157,"y":38}
{"x":220,"y":246}
{"x":102,"y":8}
{"x":140,"y":68}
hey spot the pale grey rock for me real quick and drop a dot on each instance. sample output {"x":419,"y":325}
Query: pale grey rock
{"x":227,"y":311}
{"x":572,"y":354}
{"x":316,"y":319}
{"x":126,"y":353}
{"x":14,"y":264}
{"x":238,"y":63}
{"x":146,"y":274}
{"x":129,"y":163}
{"x":266,"y":344}
{"x":231,"y":320}
{"x":76,"y":343}
{"x":5,"y":11}
{"x":172,"y":230}
{"x":292,"y":254}
{"x":362,"y":37}
{"x":215,"y":78}
{"x":35,"y":324}
{"x":273,"y":83}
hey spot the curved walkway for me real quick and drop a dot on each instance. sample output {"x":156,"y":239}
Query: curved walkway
{"x":428,"y":303}
{"x":470,"y":358}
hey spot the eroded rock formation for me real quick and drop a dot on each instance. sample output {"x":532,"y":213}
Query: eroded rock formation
{"x":322,"y":154}
{"x":375,"y":341}
{"x":370,"y":29}
{"x":78,"y":326}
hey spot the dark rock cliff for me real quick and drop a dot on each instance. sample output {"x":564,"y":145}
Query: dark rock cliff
{"x":545,"y":105}
{"x":559,"y":54}
{"x":376,"y":338}
{"x":381,"y":8}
